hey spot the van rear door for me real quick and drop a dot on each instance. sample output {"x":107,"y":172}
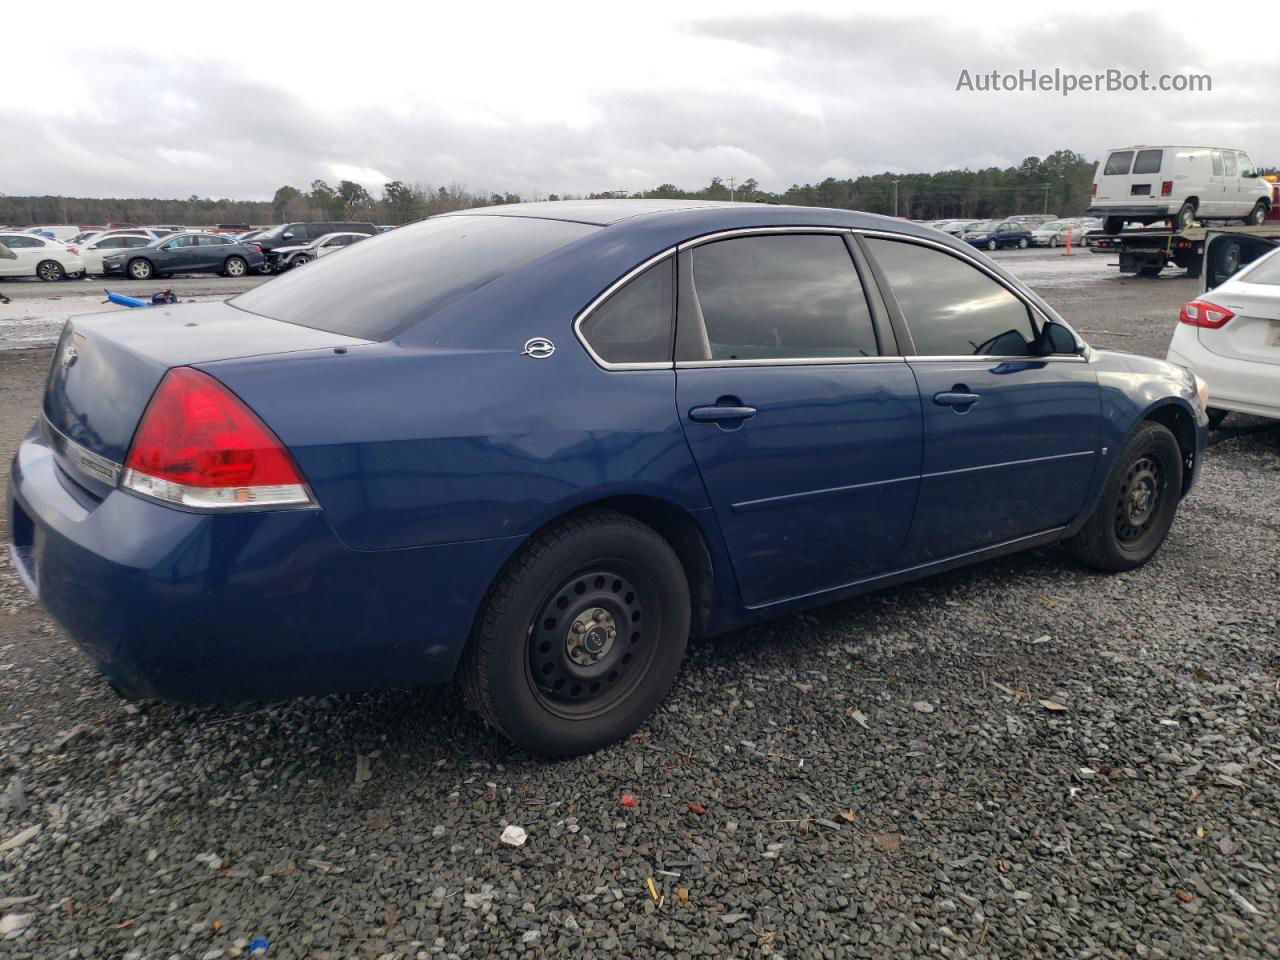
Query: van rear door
{"x":1131,"y":179}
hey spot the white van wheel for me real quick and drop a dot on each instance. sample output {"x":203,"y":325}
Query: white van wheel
{"x":1186,"y":216}
{"x":1258,"y":215}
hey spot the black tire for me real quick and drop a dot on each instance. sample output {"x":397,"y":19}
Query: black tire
{"x":1216,"y":416}
{"x":235,"y":267}
{"x":991,"y":244}
{"x":299,"y":261}
{"x":1258,"y":215}
{"x":1185,"y":216}
{"x":50,"y":270}
{"x":551,"y":594}
{"x":1022,"y":244}
{"x":1053,"y":241}
{"x":1113,"y":224}
{"x":140,"y":268}
{"x":1138,"y":504}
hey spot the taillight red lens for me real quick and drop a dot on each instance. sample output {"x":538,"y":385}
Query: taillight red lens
{"x":1166,"y":188}
{"x":72,"y":250}
{"x":1093,"y":190}
{"x":1197,"y":313}
{"x":257,"y":247}
{"x":199,"y":445}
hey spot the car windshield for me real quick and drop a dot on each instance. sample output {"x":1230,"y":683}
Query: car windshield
{"x":381,"y":286}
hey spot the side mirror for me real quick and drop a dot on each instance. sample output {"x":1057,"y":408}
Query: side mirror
{"x":287,"y":236}
{"x":1059,"y":340}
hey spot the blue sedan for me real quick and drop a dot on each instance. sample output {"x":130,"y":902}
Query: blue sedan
{"x":537,"y":448}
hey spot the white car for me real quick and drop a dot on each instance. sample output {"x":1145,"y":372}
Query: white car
{"x":39,"y":257}
{"x":108,"y":242}
{"x":288,"y":257}
{"x":1148,"y":184}
{"x":1054,"y":233}
{"x":59,"y":231}
{"x":1230,"y":334}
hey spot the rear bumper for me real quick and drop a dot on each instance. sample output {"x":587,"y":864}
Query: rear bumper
{"x":1130,"y":210}
{"x":1243,"y":386}
{"x":197,"y":608}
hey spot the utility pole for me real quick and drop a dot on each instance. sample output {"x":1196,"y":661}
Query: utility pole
{"x":732,"y":181}
{"x":895,"y":198}
{"x":1046,"y":199}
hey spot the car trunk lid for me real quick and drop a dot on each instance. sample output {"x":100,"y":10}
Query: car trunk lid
{"x":1254,"y":332}
{"x":108,"y":365}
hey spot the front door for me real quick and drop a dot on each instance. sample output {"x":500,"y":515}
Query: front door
{"x":803,"y":422}
{"x":1011,"y":430}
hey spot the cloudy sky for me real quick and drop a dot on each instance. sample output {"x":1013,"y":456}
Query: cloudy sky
{"x":567,"y":98}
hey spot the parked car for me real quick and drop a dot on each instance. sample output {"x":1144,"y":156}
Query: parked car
{"x":109,"y":243}
{"x":1145,"y":185}
{"x":56,"y":231}
{"x":285,"y":258}
{"x":254,"y":233}
{"x":39,"y":257}
{"x":185,"y":253}
{"x":297,"y":234}
{"x":232,"y":228}
{"x":303,"y":490}
{"x":1054,"y":233}
{"x":1230,"y":334}
{"x":995,"y":234}
{"x":958,"y":228}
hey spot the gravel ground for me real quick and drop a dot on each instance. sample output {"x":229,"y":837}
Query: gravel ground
{"x":1018,"y":759}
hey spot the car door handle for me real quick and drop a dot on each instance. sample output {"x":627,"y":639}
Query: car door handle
{"x":956,"y":398}
{"x":721,"y":414}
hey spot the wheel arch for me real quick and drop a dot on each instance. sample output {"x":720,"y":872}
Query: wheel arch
{"x":1177,"y":416}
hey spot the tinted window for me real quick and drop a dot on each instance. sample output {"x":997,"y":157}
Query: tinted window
{"x":634,"y":325}
{"x":111,"y":243}
{"x":1229,"y":161}
{"x":1148,"y":161}
{"x":213,"y":241}
{"x":134,"y":241}
{"x":778,"y":297}
{"x":952,"y":308}
{"x":390,"y":282}
{"x":1118,"y":163}
{"x":15,"y":242}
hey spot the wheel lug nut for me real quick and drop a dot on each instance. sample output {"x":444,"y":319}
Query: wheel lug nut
{"x":579,"y":628}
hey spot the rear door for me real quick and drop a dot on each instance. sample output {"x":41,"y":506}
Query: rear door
{"x":1010,"y":432}
{"x":801,"y":415}
{"x":1113,"y":178}
{"x":1145,"y":177}
{"x":26,"y":250}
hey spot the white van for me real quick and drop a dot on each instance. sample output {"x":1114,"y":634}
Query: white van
{"x":1145,"y":184}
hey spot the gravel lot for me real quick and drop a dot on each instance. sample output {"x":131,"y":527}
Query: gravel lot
{"x":878,"y":778}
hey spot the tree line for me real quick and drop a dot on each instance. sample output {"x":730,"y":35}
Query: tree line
{"x":1058,"y":183}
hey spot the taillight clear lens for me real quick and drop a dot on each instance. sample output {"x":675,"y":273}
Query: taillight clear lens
{"x":1197,"y":313}
{"x":198,"y":445}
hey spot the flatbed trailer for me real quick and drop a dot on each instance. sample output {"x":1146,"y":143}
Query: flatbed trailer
{"x":1147,"y":251}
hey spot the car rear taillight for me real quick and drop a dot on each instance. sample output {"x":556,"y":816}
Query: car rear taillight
{"x":1093,"y":190}
{"x":1197,"y":313}
{"x":198,"y":445}
{"x":72,"y":250}
{"x":1166,"y":188}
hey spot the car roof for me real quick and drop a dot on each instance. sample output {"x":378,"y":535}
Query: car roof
{"x":694,"y":217}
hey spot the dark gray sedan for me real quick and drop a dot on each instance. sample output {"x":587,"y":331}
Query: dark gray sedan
{"x":186,"y":253}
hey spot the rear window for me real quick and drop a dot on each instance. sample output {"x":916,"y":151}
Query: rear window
{"x":1148,"y":161}
{"x":384,"y":285}
{"x":1118,"y":163}
{"x":1266,"y":270}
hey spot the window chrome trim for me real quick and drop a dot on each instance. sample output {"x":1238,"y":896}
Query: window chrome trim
{"x":609,"y":291}
{"x":84,"y":460}
{"x":750,"y":231}
{"x":968,"y":257}
{"x":785,"y":361}
{"x":991,"y":358}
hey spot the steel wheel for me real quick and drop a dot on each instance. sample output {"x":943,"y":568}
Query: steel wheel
{"x":1139,"y":499}
{"x":589,"y":644}
{"x":236,"y":267}
{"x":1258,"y":215}
{"x":50,"y":270}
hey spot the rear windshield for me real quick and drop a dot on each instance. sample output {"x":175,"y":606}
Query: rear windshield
{"x":378,"y":288}
{"x":1118,"y":163}
{"x":1148,"y":161}
{"x":1266,"y":270}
